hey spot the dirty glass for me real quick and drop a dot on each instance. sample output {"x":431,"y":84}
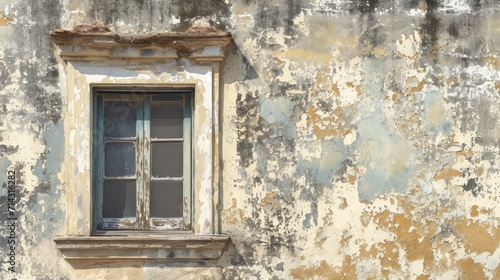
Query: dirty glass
{"x":119,"y":159}
{"x":119,"y":199}
{"x":167,"y":120}
{"x":166,"y":199}
{"x":166,"y":159}
{"x":119,"y":119}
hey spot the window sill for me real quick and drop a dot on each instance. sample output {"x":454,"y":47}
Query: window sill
{"x":189,"y":247}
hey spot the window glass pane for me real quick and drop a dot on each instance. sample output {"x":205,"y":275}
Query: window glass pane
{"x":167,"y":97}
{"x":166,"y":199}
{"x":119,"y":199}
{"x":166,"y":120}
{"x":119,"y":159}
{"x":119,"y":118}
{"x":166,"y":159}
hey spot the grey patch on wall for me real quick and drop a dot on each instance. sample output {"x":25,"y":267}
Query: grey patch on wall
{"x":8,"y":150}
{"x":231,"y":257}
{"x":237,"y":67}
{"x":453,"y":30}
{"x":487,"y":125}
{"x":246,"y":110}
{"x":274,"y":231}
{"x":478,"y":114}
{"x":367,"y":6}
{"x":412,"y":4}
{"x":151,"y":15}
{"x":473,"y":187}
{"x":430,"y":25}
{"x":273,"y":15}
{"x":446,"y":230}
{"x":342,"y":170}
{"x":41,"y":72}
{"x":374,"y":34}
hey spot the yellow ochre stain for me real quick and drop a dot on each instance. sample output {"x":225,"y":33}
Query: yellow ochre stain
{"x":328,"y":126}
{"x":233,"y":215}
{"x":326,"y":271}
{"x":4,"y":20}
{"x":478,"y":238}
{"x":446,"y":173}
{"x":469,"y":269}
{"x":270,"y":199}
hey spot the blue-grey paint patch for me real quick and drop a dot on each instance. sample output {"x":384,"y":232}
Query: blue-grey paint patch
{"x":44,"y":203}
{"x":47,"y":168}
{"x":54,"y":139}
{"x":434,"y":110}
{"x":385,"y":154}
{"x":279,"y":112}
{"x":322,"y":169}
{"x":307,"y":221}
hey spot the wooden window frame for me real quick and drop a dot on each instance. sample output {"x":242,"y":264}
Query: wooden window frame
{"x":142,"y":140}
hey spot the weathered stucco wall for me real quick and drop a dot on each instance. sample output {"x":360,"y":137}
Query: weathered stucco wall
{"x":361,"y":139}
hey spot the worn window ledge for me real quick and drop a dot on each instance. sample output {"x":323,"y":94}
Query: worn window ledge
{"x":190,"y":247}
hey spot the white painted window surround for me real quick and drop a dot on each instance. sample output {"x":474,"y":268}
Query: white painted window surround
{"x":176,"y":60}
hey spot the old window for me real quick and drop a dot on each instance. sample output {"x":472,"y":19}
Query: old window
{"x":142,"y":159}
{"x":141,"y":171}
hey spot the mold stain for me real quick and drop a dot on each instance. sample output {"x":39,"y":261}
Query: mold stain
{"x":430,"y":25}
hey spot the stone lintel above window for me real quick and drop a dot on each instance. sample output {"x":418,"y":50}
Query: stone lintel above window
{"x":91,"y":44}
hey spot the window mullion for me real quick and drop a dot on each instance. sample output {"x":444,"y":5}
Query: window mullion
{"x":140,"y":166}
{"x":146,"y":159}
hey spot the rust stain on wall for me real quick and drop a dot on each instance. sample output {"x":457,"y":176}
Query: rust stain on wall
{"x":447,"y":173}
{"x":326,"y":271}
{"x":477,"y":237}
{"x":4,"y":20}
{"x":389,"y":255}
{"x":469,"y":269}
{"x":413,"y":236}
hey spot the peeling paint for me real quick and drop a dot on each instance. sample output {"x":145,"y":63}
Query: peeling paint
{"x":358,"y":139}
{"x":4,"y":20}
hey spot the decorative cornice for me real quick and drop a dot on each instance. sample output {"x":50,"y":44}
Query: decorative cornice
{"x":190,"y":247}
{"x":201,"y":44}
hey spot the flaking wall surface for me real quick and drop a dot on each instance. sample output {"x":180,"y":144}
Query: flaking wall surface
{"x":360,"y":139}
